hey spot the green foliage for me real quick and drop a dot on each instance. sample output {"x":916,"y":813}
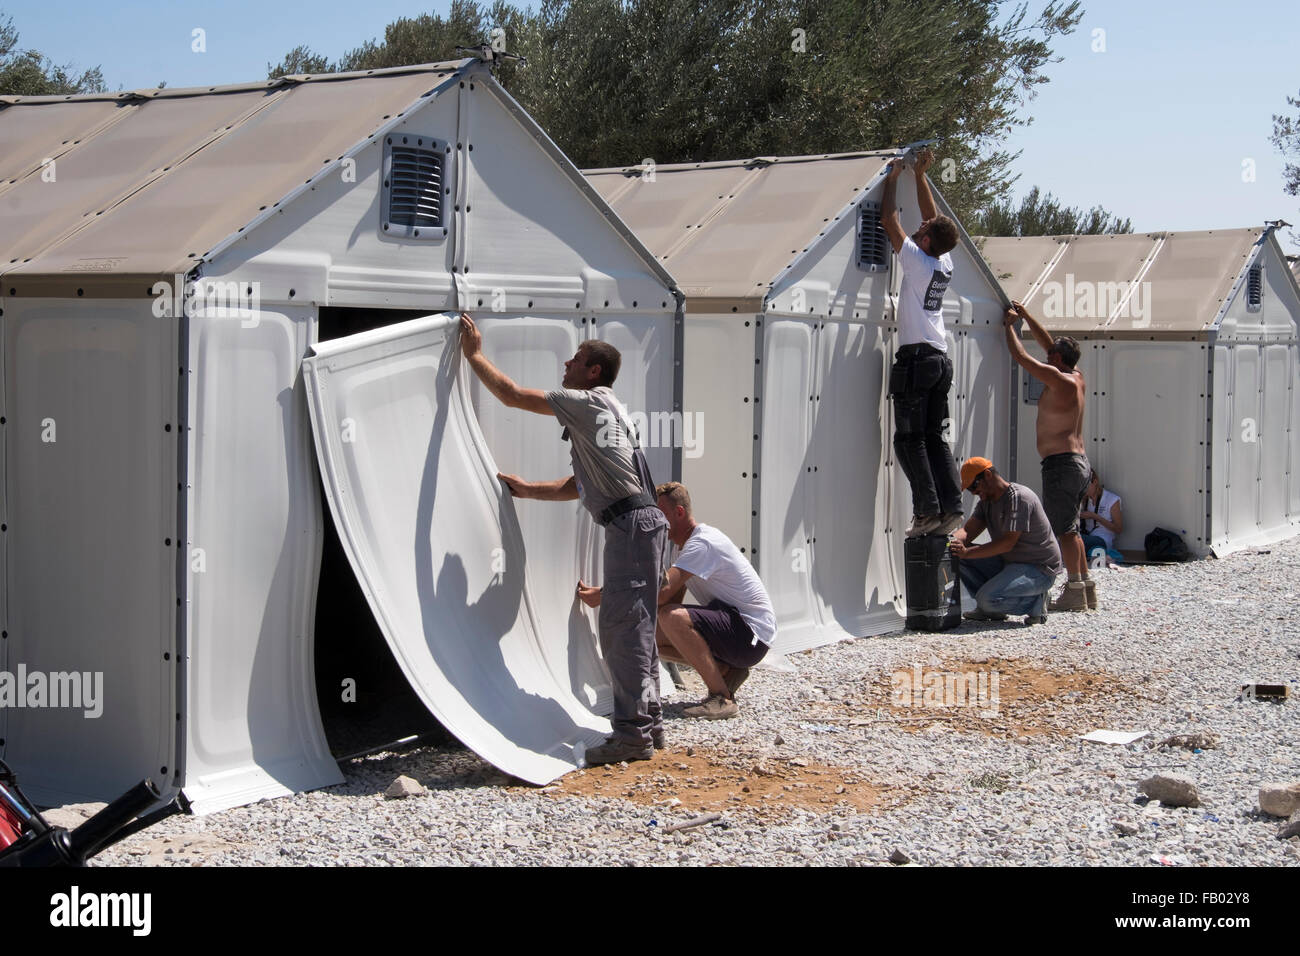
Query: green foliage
{"x":1286,"y":139}
{"x":616,"y":81}
{"x":1043,"y":215}
{"x":299,"y":60}
{"x":28,"y":73}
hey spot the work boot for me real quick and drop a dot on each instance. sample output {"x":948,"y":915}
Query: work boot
{"x":1073,"y":598}
{"x":978,"y":615}
{"x":922,"y":525}
{"x":735,"y":677}
{"x":951,"y":522}
{"x":1090,"y":586}
{"x":1038,"y":613}
{"x":615,"y":750}
{"x":713,"y":707}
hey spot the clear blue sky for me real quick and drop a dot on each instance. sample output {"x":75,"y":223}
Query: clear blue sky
{"x":1155,"y":128}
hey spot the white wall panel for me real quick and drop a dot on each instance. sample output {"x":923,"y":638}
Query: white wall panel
{"x":853,"y":491}
{"x":719,"y":376}
{"x":253,"y":727}
{"x":1150,"y":428}
{"x":1244,"y":463}
{"x":785,"y":532}
{"x":1274,"y":442}
{"x":90,"y":447}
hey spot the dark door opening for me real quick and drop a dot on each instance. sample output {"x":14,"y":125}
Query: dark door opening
{"x":365,"y":700}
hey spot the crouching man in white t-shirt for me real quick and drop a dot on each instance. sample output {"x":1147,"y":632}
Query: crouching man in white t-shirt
{"x":732,"y":626}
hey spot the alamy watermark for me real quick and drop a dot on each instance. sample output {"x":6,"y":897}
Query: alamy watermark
{"x":215,"y":298}
{"x":655,"y":430}
{"x":1097,"y":300}
{"x":82,"y":690}
{"x":946,"y":689}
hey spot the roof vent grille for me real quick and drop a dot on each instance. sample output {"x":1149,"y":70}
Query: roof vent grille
{"x":1254,"y":288}
{"x":413,"y":187}
{"x":873,"y":243}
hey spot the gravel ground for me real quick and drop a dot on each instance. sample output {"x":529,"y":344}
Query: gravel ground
{"x":824,"y":767}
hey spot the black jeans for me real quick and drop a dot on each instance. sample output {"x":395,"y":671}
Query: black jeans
{"x":919,"y":384}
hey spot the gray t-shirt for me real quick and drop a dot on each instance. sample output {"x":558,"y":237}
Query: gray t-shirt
{"x":598,"y":446}
{"x":1020,"y":510}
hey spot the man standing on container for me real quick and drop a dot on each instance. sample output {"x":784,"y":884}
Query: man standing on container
{"x":613,"y":483}
{"x":922,"y":373}
{"x":1066,"y":471}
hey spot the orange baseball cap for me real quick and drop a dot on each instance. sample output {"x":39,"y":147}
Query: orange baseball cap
{"x":972,"y":469}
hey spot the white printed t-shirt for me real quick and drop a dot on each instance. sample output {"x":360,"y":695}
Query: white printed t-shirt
{"x":721,"y":573}
{"x":920,"y":300}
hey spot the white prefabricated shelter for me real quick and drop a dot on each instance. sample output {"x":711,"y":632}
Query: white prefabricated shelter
{"x":181,"y":272}
{"x":791,"y":289}
{"x":1189,"y":351}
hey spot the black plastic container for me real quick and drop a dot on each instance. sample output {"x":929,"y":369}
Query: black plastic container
{"x":933,"y":585}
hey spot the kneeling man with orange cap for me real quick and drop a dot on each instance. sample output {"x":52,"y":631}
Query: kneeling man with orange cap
{"x":1015,"y":571}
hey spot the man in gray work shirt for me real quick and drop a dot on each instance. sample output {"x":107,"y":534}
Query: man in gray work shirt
{"x":1014,"y":572}
{"x":610,"y":478}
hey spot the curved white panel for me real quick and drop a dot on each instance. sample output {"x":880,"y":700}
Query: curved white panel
{"x":252,"y":727}
{"x":852,"y":570}
{"x":563,"y":543}
{"x":785,"y":485}
{"x":434,"y":542}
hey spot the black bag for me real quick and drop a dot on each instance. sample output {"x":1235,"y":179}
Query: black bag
{"x":1164,"y":545}
{"x":933,"y":585}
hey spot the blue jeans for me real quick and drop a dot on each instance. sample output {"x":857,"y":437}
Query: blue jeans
{"x":1001,"y":588}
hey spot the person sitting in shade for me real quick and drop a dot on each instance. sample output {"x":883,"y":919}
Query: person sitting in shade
{"x":1102,"y":519}
{"x":1015,"y":571}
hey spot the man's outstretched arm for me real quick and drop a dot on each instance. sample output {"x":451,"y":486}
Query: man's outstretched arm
{"x":496,"y":381}
{"x":924,"y":199}
{"x":1035,"y":327}
{"x":889,"y":208}
{"x":561,"y":489}
{"x":1045,"y":373}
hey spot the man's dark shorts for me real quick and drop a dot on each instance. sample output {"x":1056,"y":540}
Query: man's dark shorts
{"x":729,"y":638}
{"x":1065,"y":482}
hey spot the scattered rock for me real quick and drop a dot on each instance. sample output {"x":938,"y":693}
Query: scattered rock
{"x":797,"y":762}
{"x":1124,"y":827}
{"x":1279,"y":799}
{"x":779,"y":740}
{"x":899,"y":857}
{"x":404,"y":787}
{"x":690,"y":751}
{"x":1171,"y":789}
{"x":1191,"y":741}
{"x":1292,"y":829}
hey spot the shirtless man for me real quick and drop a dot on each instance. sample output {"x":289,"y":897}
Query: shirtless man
{"x":1066,"y":471}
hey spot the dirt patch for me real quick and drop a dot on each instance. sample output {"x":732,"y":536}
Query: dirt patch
{"x":703,"y":781}
{"x":996,"y":697}
{"x":187,"y":849}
